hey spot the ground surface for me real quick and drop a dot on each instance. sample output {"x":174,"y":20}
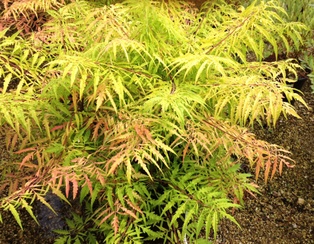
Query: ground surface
{"x":284,"y":213}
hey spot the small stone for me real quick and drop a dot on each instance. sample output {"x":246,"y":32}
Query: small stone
{"x":294,"y":225}
{"x":300,"y":201}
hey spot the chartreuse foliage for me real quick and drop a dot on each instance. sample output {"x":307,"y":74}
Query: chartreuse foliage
{"x":303,"y":11}
{"x":139,"y":110}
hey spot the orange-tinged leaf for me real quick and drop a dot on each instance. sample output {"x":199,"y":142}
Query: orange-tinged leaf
{"x":274,"y":167}
{"x":27,"y":158}
{"x":67,"y":185}
{"x":148,"y":134}
{"x":30,"y":182}
{"x":267,"y":169}
{"x":116,"y":161}
{"x":31,"y":165}
{"x":75,"y":187}
{"x":101,"y":179}
{"x":115,"y":224}
{"x":89,"y":184}
{"x":139,"y":132}
{"x":135,"y":207}
{"x":53,"y":177}
{"x":99,"y":100}
{"x":95,"y":131}
{"x":57,"y":127}
{"x":107,"y":216}
{"x":185,"y":150}
{"x":26,"y":150}
{"x":129,"y":212}
{"x":104,"y":212}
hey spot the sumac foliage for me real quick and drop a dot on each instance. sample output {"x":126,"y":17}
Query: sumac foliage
{"x":139,"y":109}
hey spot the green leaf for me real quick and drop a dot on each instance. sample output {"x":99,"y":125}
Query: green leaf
{"x":62,"y":232}
{"x":96,"y":190}
{"x":6,"y":82}
{"x":29,"y":209}
{"x":55,"y":148}
{"x":59,"y":194}
{"x":63,"y":239}
{"x":188,"y":218}
{"x":15,"y":215}
{"x":43,"y":201}
{"x":214,"y":222}
{"x":7,"y":116}
{"x":179,"y":213}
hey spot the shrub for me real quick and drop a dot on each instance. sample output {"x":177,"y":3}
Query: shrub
{"x":140,"y":109}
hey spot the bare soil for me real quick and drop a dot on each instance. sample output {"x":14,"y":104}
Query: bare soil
{"x":284,"y":213}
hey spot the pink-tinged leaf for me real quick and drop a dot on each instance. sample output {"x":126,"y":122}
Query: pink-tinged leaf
{"x":57,"y":127}
{"x":95,"y":132}
{"x":115,"y":224}
{"x":129,"y":212}
{"x":288,"y":164}
{"x":139,"y":132}
{"x":89,"y":184}
{"x":267,"y":169}
{"x":53,"y":177}
{"x":116,"y":161}
{"x":100,"y":99}
{"x":101,"y":179}
{"x":26,"y":150}
{"x":30,"y":165}
{"x":27,"y":158}
{"x":104,"y":212}
{"x":67,"y":185}
{"x":135,"y":207}
{"x":30,"y":182}
{"x":185,"y":150}
{"x":280,"y":166}
{"x":274,"y":167}
{"x":75,"y":187}
{"x":107,"y":216}
{"x":77,"y":160}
